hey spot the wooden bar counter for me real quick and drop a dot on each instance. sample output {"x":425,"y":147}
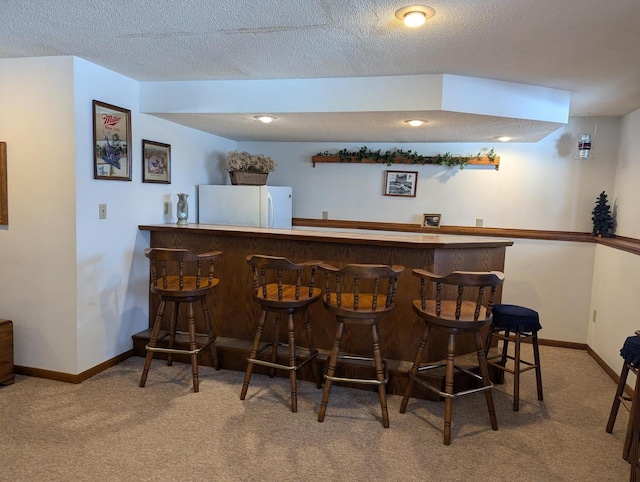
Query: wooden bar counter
{"x":235,"y":314}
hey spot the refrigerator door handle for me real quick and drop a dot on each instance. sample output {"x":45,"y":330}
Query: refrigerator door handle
{"x":269,"y":210}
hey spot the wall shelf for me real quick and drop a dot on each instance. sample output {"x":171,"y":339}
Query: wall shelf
{"x":474,"y":161}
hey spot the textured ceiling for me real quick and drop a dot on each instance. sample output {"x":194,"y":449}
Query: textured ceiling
{"x":588,"y":47}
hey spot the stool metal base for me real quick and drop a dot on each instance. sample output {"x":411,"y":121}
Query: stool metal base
{"x":435,"y":389}
{"x":179,"y":351}
{"x":307,"y":358}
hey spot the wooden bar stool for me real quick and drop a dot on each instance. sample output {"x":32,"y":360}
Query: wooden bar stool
{"x":630,"y":353}
{"x":278,"y":287}
{"x":356,"y":294}
{"x":523,"y":323}
{"x":457,"y":309}
{"x":631,"y":451}
{"x":172,"y":285}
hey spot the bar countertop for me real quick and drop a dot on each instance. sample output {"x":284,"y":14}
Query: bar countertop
{"x":364,"y":237}
{"x":235,"y":313}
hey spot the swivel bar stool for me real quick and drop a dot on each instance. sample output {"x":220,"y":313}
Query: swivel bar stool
{"x":457,"y":309}
{"x":172,"y":285}
{"x":356,"y":294}
{"x":523,"y":323}
{"x":278,"y":288}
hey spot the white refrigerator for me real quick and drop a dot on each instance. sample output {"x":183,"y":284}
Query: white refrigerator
{"x":257,"y":206}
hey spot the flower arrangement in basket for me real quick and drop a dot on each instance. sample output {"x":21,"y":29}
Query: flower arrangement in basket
{"x":251,"y":169}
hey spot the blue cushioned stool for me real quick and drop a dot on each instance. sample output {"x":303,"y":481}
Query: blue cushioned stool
{"x":630,"y":352}
{"x":523,"y":323}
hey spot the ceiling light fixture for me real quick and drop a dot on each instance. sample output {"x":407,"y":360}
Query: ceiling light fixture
{"x":504,"y":138}
{"x":415,"y":122}
{"x":265,"y":119}
{"x":415,"y":15}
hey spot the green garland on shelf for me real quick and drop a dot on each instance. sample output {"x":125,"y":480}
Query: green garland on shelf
{"x":388,"y":158}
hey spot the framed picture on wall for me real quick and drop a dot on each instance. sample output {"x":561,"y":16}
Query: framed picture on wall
{"x":431,"y":220}
{"x":156,"y":162}
{"x":111,"y":139}
{"x":400,"y":183}
{"x":4,"y":207}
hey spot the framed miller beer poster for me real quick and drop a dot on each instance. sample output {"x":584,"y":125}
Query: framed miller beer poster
{"x":111,"y":139}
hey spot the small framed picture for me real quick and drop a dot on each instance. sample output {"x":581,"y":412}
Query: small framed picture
{"x":111,"y":138}
{"x":156,"y":162}
{"x":431,"y":220}
{"x":400,"y":183}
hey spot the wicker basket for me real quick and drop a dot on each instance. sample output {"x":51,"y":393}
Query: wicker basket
{"x":241,"y":178}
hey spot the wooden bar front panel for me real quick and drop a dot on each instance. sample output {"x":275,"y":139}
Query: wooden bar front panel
{"x":235,"y":314}
{"x":7,"y":375}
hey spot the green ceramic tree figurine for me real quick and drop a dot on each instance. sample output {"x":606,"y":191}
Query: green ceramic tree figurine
{"x":601,"y":217}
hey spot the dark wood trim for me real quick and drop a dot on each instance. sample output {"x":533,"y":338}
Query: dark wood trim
{"x":454,"y":230}
{"x":628,"y":389}
{"x":630,"y":245}
{"x":562,"y":344}
{"x":69,"y":378}
{"x":623,"y":243}
{"x":348,"y":238}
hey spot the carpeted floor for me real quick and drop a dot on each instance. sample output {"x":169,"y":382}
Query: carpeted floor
{"x":107,"y":428}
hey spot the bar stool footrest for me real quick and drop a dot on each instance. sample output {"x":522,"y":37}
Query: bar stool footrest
{"x":269,"y":364}
{"x":364,"y":381}
{"x":461,"y":393}
{"x":179,"y":351}
{"x":491,"y":362}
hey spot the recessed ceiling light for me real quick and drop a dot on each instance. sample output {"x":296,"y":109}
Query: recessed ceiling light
{"x":265,"y":119}
{"x":415,"y":122}
{"x":415,"y":15}
{"x":504,"y":138}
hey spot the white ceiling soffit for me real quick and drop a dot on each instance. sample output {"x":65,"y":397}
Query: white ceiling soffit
{"x":364,"y":109}
{"x":587,"y":47}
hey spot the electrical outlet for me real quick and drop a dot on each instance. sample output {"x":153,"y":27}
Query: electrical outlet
{"x":479,"y":222}
{"x":102,"y":211}
{"x":325,"y":214}
{"x":166,"y":208}
{"x":595,"y":313}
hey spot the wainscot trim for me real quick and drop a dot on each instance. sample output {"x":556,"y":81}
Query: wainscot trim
{"x":630,"y":245}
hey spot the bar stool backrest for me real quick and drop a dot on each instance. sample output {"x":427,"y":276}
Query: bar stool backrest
{"x":360,"y":289}
{"x":277,"y":278}
{"x":181,"y":270}
{"x":473,"y":301}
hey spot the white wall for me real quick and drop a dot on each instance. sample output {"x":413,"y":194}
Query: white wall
{"x":75,"y":286}
{"x":616,"y":276}
{"x":538,"y":186}
{"x":554,"y":278}
{"x":616,"y":284}
{"x":626,"y":199}
{"x":37,"y":248}
{"x":112,"y":271}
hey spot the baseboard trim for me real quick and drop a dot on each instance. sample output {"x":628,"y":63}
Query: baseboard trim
{"x":68,"y":377}
{"x":561,"y":344}
{"x":628,"y":389}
